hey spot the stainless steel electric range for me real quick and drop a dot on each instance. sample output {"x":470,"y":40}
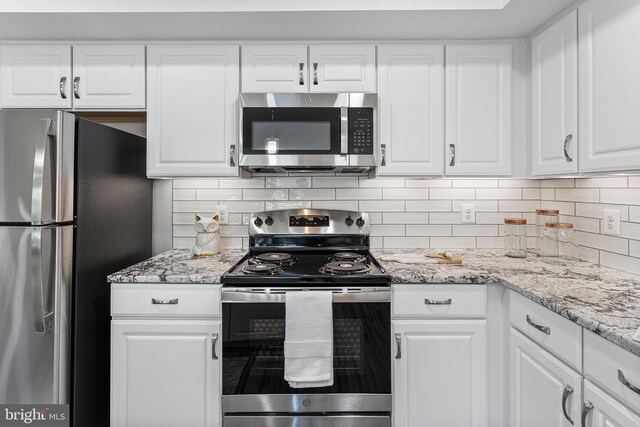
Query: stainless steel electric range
{"x":306,"y":250}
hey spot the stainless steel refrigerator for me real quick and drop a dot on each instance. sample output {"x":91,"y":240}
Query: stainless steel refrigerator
{"x":75,"y":205}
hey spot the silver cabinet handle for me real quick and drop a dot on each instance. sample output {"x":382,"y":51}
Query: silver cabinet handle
{"x":567,"y":140}
{"x":452,"y":150}
{"x":42,"y":316}
{"x":63,"y":87}
{"x":315,"y":74}
{"x":398,"y":346}
{"x":76,"y":86}
{"x":543,"y":329}
{"x":565,"y":395}
{"x":626,"y":383}
{"x":437,"y":302}
{"x":586,"y":407}
{"x":301,"y":73}
{"x":232,"y":157}
{"x":383,"y":149}
{"x":39,"y":160}
{"x":214,"y":340}
{"x":164,"y":301}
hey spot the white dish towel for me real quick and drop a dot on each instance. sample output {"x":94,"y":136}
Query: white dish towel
{"x":308,"y":344}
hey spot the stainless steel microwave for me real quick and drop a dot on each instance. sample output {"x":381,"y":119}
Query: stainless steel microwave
{"x":290,"y":132}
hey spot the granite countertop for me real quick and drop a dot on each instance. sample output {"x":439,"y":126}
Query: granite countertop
{"x":600,"y":299}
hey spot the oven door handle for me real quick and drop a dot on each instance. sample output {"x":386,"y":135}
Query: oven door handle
{"x":279,"y":295}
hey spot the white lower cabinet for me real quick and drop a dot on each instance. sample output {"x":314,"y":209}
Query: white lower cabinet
{"x":602,"y":410}
{"x":544,"y":391}
{"x":440,"y":373}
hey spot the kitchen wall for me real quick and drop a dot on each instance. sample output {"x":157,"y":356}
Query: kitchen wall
{"x":425,"y":213}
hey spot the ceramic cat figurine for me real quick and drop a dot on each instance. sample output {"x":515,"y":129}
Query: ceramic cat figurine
{"x":208,"y":237}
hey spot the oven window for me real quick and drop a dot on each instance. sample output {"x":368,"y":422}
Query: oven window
{"x":291,"y":130}
{"x":253,"y":355}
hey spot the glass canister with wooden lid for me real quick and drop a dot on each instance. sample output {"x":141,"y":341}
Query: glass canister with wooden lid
{"x":515,"y":237}
{"x":558,"y":243}
{"x":544,"y":216}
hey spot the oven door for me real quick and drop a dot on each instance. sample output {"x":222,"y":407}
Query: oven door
{"x":253,"y":355}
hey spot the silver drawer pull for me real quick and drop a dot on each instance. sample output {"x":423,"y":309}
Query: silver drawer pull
{"x":567,"y":140}
{"x":436,"y":302}
{"x":565,"y":395}
{"x":626,"y":383}
{"x":214,"y":340}
{"x":398,"y":346}
{"x":164,"y":301}
{"x":586,"y":408}
{"x":543,"y":329}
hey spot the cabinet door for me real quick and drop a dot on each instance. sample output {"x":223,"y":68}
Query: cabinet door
{"x":279,"y":68}
{"x":440,"y":373}
{"x":554,"y":87}
{"x":541,"y":386}
{"x":342,"y":68}
{"x":609,"y":66}
{"x":108,"y":76}
{"x":165,"y":373}
{"x":35,"y":76}
{"x":478,"y":113}
{"x":602,"y":410}
{"x":192,"y":112}
{"x":411,"y":110}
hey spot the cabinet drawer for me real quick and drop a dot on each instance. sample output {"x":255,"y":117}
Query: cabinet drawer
{"x":559,"y":335}
{"x":165,"y":300}
{"x":610,"y":366}
{"x":439,"y":300}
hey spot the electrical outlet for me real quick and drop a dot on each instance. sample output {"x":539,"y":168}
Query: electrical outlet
{"x":611,"y":222}
{"x":223,"y":213}
{"x":468,"y":212}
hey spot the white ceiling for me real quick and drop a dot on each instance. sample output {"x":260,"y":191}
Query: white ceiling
{"x":516,"y":20}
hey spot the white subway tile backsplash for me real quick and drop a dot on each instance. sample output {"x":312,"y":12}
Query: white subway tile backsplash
{"x":312,"y":194}
{"x":405,"y":193}
{"x":422,"y":213}
{"x":288,"y":182}
{"x":268,"y":194}
{"x":358,"y":193}
{"x":586,"y":195}
{"x":405,"y":218}
{"x":219,"y":194}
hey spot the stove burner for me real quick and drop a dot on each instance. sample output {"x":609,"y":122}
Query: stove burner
{"x":263,"y":269}
{"x":349,"y":256}
{"x":342,"y":268}
{"x":277,"y":258}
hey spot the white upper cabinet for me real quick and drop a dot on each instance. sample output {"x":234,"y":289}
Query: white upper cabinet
{"x":342,"y":68}
{"x":275,"y":68}
{"x":35,"y":76}
{"x":478,"y":110}
{"x":554,"y":87}
{"x":609,"y":66}
{"x":109,"y":76}
{"x":291,"y":69}
{"x":192,"y":110}
{"x":411,"y":109}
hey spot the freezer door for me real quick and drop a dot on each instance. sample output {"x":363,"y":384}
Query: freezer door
{"x":36,"y":166}
{"x":35,"y":272}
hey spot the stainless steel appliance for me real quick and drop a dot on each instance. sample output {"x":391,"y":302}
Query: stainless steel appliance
{"x":75,"y":205}
{"x":306,"y":250}
{"x":307,"y":132}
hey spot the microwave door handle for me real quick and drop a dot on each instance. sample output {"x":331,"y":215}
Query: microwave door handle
{"x":39,"y":161}
{"x":344,"y":130}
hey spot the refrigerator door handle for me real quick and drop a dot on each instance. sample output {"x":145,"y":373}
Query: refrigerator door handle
{"x":43,"y":318}
{"x":37,"y":192}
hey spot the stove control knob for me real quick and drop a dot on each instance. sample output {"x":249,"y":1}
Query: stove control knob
{"x":258,"y":222}
{"x":360,"y":222}
{"x":349,"y":221}
{"x":269,"y":221}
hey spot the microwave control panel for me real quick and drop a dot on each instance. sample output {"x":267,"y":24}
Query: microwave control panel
{"x":360,"y":130}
